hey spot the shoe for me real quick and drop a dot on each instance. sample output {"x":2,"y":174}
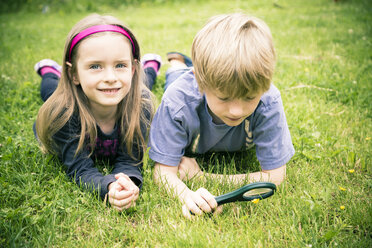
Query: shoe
{"x":47,"y":62}
{"x":152,"y":57}
{"x":181,"y":57}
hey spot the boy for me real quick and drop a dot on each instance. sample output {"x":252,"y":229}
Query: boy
{"x":225,"y":103}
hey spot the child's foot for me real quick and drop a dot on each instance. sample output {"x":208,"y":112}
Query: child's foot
{"x":180,"y":57}
{"x":152,"y":60}
{"x":48,"y":66}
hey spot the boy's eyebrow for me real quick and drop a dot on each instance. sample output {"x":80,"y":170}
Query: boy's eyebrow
{"x":226,"y":97}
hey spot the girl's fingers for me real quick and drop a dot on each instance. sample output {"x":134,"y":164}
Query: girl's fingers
{"x":117,"y":176}
{"x":121,"y":203}
{"x":119,"y":209}
{"x":135,"y":196}
{"x":124,"y":193}
{"x":120,"y":194}
{"x":126,"y":183}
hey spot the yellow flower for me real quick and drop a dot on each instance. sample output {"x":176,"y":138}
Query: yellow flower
{"x":342,"y":207}
{"x":351,"y":170}
{"x":255,"y":201}
{"x":341,"y":188}
{"x":368,"y":138}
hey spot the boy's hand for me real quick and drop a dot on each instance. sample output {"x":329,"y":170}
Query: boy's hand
{"x":188,"y":168}
{"x":198,"y":202}
{"x":123,"y":192}
{"x":194,"y":202}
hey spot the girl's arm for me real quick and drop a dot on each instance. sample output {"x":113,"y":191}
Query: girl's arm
{"x":129,"y":166}
{"x":80,"y":167}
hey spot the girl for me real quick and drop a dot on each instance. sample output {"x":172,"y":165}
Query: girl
{"x":100,"y":109}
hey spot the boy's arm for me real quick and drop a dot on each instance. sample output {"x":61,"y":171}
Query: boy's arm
{"x":189,"y":168}
{"x":276,"y":176}
{"x":197,"y":202}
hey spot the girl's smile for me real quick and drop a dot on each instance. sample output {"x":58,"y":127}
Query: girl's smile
{"x":110,"y":91}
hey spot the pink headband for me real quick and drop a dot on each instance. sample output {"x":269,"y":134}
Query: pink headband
{"x":98,"y":29}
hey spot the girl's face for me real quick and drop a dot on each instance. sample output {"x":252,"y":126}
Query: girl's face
{"x":105,"y":70}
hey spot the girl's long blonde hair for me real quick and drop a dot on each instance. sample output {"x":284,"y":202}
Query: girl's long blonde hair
{"x":68,"y":99}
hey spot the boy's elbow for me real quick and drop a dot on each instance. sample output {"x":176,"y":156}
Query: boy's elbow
{"x":278,"y":175}
{"x":157,"y":173}
{"x":161,"y":172}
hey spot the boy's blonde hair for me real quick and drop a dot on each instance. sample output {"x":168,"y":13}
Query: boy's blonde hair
{"x":234,"y":54}
{"x":69,"y":99}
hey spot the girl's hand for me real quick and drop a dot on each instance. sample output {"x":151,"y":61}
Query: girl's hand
{"x":123,"y":192}
{"x":188,"y":168}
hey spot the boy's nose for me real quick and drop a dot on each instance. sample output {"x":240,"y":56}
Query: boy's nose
{"x":236,"y":109}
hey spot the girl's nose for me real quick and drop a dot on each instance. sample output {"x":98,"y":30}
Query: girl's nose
{"x":110,"y":75}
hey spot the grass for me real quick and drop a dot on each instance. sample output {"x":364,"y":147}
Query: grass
{"x":324,"y":71}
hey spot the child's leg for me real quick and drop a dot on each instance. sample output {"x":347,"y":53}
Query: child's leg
{"x":179,"y":65}
{"x":50,"y":72}
{"x":151,"y":65}
{"x":150,"y":79}
{"x":49,"y":83}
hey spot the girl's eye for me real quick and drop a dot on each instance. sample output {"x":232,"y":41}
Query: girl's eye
{"x":120,"y":66}
{"x":94,"y":67}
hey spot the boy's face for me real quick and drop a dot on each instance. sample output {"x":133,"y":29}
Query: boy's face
{"x":230,"y":111}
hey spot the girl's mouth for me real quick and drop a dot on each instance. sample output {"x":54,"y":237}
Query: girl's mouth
{"x":110,"y":91}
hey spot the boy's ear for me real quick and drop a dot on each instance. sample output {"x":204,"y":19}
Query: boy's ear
{"x":70,"y":74}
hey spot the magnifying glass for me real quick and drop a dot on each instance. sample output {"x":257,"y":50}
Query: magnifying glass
{"x":249,"y":192}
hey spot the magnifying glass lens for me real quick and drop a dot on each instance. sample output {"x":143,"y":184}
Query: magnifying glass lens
{"x":255,"y":192}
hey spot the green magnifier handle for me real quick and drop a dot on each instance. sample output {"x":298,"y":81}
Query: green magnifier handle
{"x":249,"y":192}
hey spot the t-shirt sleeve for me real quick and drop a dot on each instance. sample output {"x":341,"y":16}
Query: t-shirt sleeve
{"x":168,"y":136}
{"x":271,"y":136}
{"x":79,"y":167}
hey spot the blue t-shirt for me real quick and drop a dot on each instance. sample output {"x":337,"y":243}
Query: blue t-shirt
{"x":182,"y":124}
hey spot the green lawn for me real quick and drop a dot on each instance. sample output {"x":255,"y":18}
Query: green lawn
{"x":324,"y":72}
